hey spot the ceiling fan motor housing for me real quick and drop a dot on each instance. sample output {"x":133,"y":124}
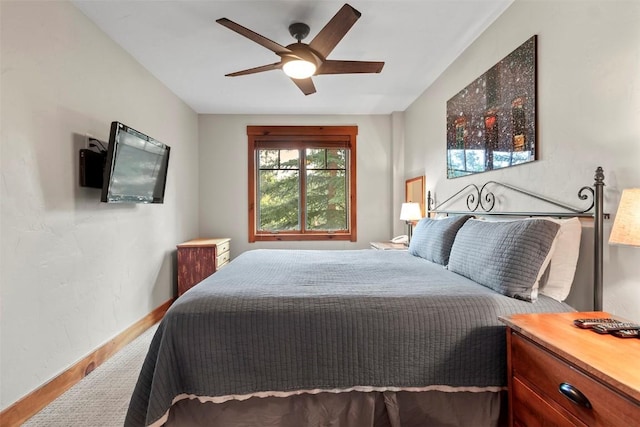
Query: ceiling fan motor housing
{"x":304,"y":52}
{"x":299,"y":30}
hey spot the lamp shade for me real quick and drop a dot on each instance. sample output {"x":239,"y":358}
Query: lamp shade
{"x":410,"y":212}
{"x":299,"y":69}
{"x":626,"y":227}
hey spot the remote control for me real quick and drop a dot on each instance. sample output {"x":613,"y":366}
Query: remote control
{"x":589,"y":323}
{"x":627,"y":333}
{"x":606,"y":328}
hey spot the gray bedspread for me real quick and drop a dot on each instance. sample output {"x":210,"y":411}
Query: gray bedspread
{"x":299,"y":320}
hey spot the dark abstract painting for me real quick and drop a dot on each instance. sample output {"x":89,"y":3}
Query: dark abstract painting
{"x":491,"y":123}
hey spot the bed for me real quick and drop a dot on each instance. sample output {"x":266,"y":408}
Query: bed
{"x":356,"y":337}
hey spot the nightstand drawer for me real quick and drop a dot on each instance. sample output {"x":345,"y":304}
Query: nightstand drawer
{"x":224,"y":247}
{"x":222,"y":259}
{"x":530,"y":410}
{"x":544,"y":374}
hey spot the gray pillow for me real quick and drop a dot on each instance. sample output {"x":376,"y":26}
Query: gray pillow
{"x":504,"y":256}
{"x":432,"y":238}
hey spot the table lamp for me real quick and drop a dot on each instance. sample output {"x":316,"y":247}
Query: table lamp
{"x":626,"y":227}
{"x":409,"y":213}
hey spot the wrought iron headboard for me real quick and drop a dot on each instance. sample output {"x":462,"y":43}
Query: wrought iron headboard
{"x":481,"y":201}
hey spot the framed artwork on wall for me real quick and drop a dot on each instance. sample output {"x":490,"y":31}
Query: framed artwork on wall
{"x":491,"y":123}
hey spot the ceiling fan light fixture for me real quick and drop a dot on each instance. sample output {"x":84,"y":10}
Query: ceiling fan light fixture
{"x":299,"y":69}
{"x":300,"y":61}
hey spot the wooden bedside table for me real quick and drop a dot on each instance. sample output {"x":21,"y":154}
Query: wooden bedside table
{"x":199,"y":259}
{"x":601,"y":373}
{"x":388,"y":246}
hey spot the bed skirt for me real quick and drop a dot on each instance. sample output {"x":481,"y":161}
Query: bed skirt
{"x":349,"y":409}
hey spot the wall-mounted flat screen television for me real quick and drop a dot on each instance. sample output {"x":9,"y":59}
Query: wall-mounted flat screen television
{"x":136,"y":167}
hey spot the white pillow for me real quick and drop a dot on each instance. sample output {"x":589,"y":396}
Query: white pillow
{"x":562,"y":267}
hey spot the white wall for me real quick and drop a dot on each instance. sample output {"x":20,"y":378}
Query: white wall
{"x":75,"y":272}
{"x":588,"y":110}
{"x":223,"y":178}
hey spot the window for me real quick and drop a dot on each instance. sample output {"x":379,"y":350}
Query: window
{"x":302,"y":183}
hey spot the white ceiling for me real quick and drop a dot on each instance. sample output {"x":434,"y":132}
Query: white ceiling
{"x":180,"y":43}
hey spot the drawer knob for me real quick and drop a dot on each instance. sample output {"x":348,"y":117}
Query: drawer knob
{"x":574,"y":395}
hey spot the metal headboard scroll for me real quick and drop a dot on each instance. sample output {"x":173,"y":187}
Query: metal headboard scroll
{"x":481,"y":201}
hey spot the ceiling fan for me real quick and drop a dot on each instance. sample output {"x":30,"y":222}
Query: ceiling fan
{"x":299,"y":60}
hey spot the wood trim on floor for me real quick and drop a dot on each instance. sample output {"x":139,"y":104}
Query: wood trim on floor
{"x":35,"y":401}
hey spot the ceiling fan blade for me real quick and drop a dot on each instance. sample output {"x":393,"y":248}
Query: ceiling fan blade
{"x":306,"y":85}
{"x":349,"y":67}
{"x":251,"y":35}
{"x":334,"y":31}
{"x":274,"y":66}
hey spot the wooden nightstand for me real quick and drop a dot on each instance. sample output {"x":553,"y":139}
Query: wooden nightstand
{"x":388,"y":246}
{"x":601,"y":373}
{"x":199,"y":259}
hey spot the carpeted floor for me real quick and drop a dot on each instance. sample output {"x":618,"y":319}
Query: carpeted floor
{"x":101,"y":399}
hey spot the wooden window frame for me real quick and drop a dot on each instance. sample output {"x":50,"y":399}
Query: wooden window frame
{"x":297,"y":137}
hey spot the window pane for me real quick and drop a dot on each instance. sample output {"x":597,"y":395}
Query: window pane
{"x":326,"y":200}
{"x":316,"y":158}
{"x":278,"y":159}
{"x":278,"y":206}
{"x":289,"y":159}
{"x":336,"y":159}
{"x":268,"y":159}
{"x":320,"y":158}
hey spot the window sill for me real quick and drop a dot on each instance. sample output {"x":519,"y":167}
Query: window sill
{"x":301,"y":237}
